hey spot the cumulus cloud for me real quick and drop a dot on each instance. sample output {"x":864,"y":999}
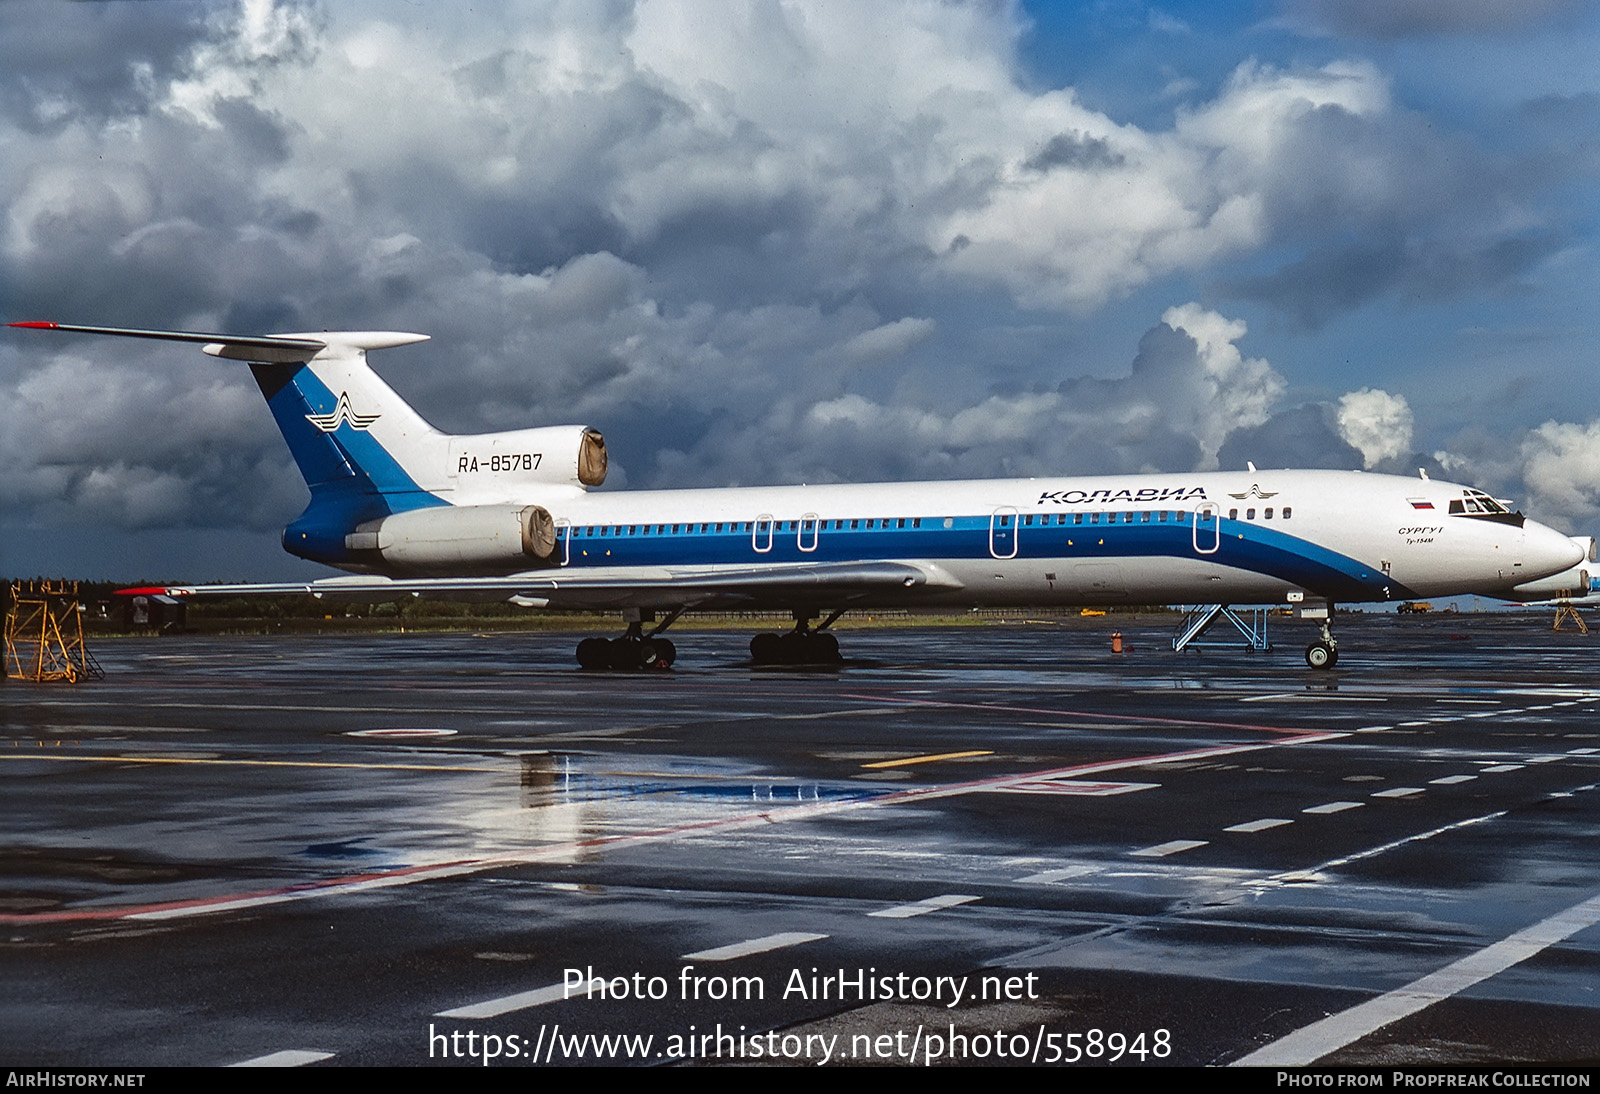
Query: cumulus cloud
{"x":1561,"y":469}
{"x":1187,"y":389}
{"x":1376,"y":423}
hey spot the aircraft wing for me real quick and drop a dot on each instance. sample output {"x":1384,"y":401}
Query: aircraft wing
{"x":782,"y":586}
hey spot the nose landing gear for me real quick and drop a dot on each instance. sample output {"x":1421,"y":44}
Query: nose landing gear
{"x":1324,"y":653}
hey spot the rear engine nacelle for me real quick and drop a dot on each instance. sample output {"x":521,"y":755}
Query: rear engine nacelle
{"x":565,"y":455}
{"x":487,"y":537}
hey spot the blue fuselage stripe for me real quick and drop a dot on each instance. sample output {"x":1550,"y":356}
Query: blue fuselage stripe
{"x":1240,"y":545}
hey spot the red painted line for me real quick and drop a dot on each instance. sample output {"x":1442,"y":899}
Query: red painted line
{"x":34,"y":325}
{"x":412,"y":874}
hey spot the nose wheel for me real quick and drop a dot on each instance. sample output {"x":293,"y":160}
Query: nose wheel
{"x":1324,"y":653}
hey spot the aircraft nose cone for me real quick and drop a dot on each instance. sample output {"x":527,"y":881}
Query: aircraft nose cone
{"x":1546,"y":551}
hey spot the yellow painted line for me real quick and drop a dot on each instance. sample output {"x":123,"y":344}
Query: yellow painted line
{"x":927,"y":759}
{"x":249,"y":763}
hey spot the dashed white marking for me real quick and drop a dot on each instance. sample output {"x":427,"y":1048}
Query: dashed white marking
{"x":1333,"y":807}
{"x":1171,"y":847}
{"x":289,"y":1057}
{"x":1451,"y":780}
{"x":1315,"y":873}
{"x":1374,"y":729}
{"x":522,"y":1000}
{"x":753,"y":946}
{"x":923,"y":907}
{"x":1485,"y":713}
{"x":1050,"y":877}
{"x":1258,"y":825}
{"x":1582,"y":751}
{"x":1543,"y":759}
{"x":1419,"y":722}
{"x":1336,"y":1031}
{"x":1399,"y":792}
{"x":1499,"y":768}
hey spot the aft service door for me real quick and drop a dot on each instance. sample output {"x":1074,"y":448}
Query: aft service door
{"x":564,"y":538}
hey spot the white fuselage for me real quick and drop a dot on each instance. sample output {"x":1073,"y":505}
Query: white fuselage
{"x":1255,"y":537}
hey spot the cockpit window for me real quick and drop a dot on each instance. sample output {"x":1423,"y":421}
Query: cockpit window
{"x":1475,"y":503}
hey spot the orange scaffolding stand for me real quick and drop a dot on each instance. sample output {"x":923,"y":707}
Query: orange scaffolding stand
{"x":44,"y":634}
{"x":1565,"y":613}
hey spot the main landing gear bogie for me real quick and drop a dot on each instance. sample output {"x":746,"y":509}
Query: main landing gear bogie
{"x":798,"y":647}
{"x":805,"y":645}
{"x":634,"y":650}
{"x":627,"y":654}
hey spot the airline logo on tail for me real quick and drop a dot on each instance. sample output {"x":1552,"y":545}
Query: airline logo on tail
{"x":342,"y":414}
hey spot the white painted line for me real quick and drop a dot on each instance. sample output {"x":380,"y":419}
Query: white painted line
{"x":1451,"y":780}
{"x":223,"y":906}
{"x":1050,"y":877}
{"x":1317,"y":1040}
{"x":1333,"y":807}
{"x":1582,"y":751}
{"x":493,"y":1008}
{"x":401,"y":733}
{"x":1485,"y":713}
{"x":1498,"y":768}
{"x":1543,"y":759}
{"x":1399,"y":792}
{"x":1374,"y":729}
{"x":1077,"y":787}
{"x":923,"y":907}
{"x":1171,"y":847}
{"x":753,"y":946}
{"x":1258,"y":825}
{"x":289,"y":1057}
{"x":1420,"y":722}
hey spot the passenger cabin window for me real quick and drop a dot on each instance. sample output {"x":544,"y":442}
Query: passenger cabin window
{"x":1233,"y":514}
{"x":1250,"y":514}
{"x":1269,"y":513}
{"x":1287,"y":512}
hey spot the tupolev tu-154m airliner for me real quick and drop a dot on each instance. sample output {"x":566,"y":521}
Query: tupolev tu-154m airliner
{"x":408,"y":510}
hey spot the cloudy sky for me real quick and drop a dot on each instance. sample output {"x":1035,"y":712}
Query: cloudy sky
{"x":797,"y":242}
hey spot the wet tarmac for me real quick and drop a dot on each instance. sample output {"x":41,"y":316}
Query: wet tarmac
{"x":968,"y":845}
